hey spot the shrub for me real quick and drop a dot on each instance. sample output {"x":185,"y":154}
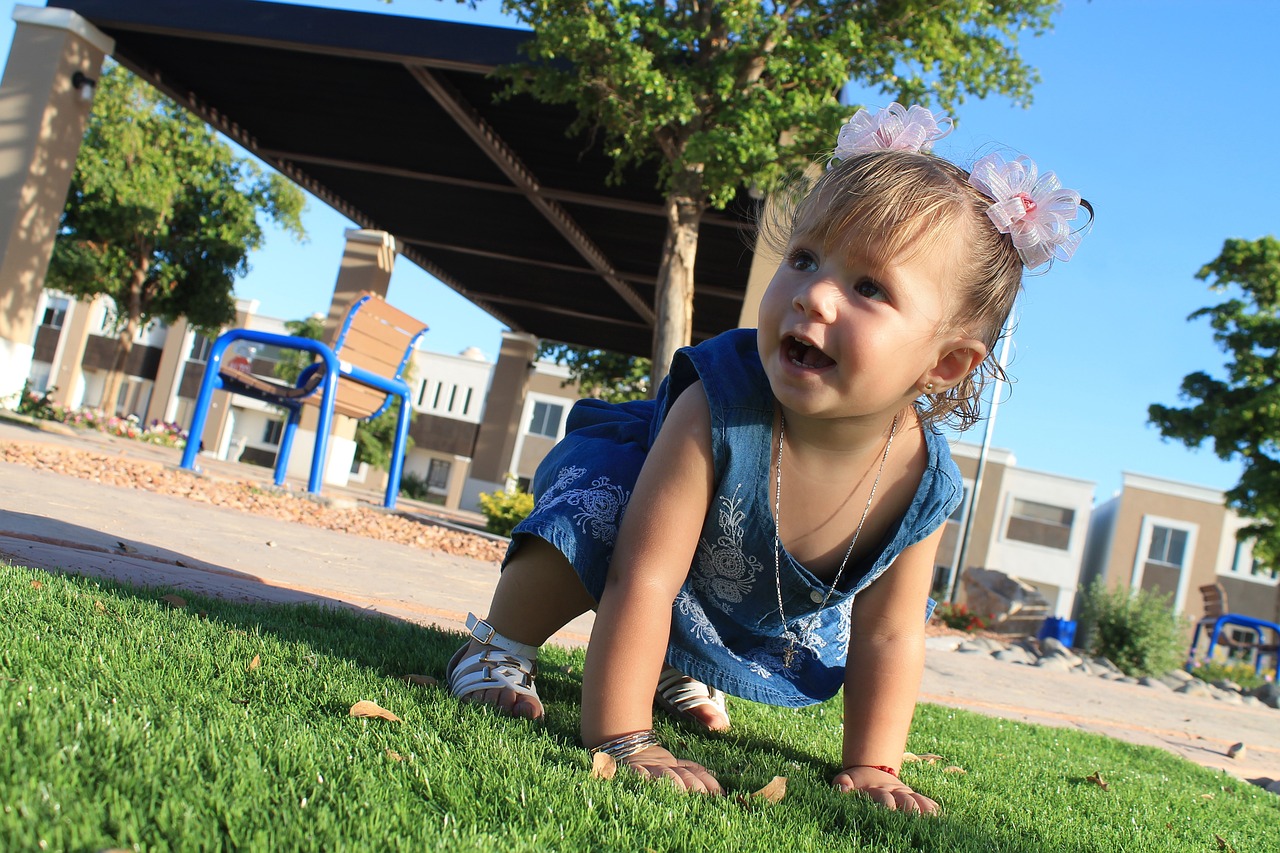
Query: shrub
{"x":1137,"y":631}
{"x":504,"y":510}
{"x":414,"y":486}
{"x":1243,"y":674}
{"x":958,"y":616}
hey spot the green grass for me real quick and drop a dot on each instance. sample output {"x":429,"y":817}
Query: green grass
{"x":131,"y":723}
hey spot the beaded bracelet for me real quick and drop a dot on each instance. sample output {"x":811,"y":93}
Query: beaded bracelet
{"x":621,"y":748}
{"x":884,"y":768}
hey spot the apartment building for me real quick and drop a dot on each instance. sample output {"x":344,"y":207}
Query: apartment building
{"x":1172,"y":538}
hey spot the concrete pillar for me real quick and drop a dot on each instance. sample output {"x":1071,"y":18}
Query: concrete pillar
{"x":173,"y":361}
{"x":43,"y":118}
{"x":496,"y":439}
{"x":367,"y":262}
{"x":68,"y":370}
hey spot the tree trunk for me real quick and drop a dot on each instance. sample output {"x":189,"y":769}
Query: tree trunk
{"x":673,"y":299}
{"x":124,"y":343}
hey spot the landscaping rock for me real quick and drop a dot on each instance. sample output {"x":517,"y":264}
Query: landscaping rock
{"x":942,"y":643}
{"x":1015,"y":654}
{"x":1106,"y":666}
{"x":1268,"y":694}
{"x":1057,"y":662}
{"x":1195,"y":688}
{"x":1180,"y":675}
{"x":1149,"y":681}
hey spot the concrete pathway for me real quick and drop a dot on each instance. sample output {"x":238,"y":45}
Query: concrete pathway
{"x":58,"y":522}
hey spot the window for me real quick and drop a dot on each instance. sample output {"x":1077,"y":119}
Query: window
{"x":546,"y":419}
{"x":55,"y":312}
{"x":1040,"y":524}
{"x":272,"y":432}
{"x":438,"y":474}
{"x":200,"y":346}
{"x":1168,"y":546}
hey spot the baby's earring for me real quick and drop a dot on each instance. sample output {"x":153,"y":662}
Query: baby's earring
{"x":928,"y":387}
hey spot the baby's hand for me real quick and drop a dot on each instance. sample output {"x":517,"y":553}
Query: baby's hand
{"x":885,"y":789}
{"x":657,"y":763}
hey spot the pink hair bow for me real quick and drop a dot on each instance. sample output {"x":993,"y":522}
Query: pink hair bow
{"x":1033,"y":210}
{"x":894,"y":127}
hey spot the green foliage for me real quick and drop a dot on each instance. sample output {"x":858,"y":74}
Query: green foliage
{"x":712,"y":89}
{"x":504,"y":510}
{"x":1243,"y":674}
{"x":1240,"y":415}
{"x":376,"y":438}
{"x":601,"y":374}
{"x":38,"y":406}
{"x":161,"y":214}
{"x":958,"y":616}
{"x":292,"y":362}
{"x":1137,"y":631}
{"x":415,"y":486}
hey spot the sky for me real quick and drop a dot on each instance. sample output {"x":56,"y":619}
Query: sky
{"x":1161,"y":113}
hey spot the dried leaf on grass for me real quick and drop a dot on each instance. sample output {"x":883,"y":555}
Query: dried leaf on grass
{"x":603,"y":766}
{"x":394,"y":756}
{"x":1097,"y":779}
{"x":364,"y":708}
{"x":175,"y":601}
{"x":954,"y":768}
{"x":1223,"y":844}
{"x":37,"y":585}
{"x":774,"y":791}
{"x":255,"y":663}
{"x":102,"y":608}
{"x":926,"y":757}
{"x":419,"y":680}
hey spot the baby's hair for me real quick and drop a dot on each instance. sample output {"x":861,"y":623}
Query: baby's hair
{"x":899,"y":203}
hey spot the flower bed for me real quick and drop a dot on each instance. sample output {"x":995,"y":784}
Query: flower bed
{"x":157,"y":432}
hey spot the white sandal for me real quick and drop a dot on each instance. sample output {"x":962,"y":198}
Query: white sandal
{"x":501,"y":663}
{"x":679,"y":693}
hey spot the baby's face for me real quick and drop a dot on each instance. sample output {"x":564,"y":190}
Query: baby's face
{"x":850,"y":333}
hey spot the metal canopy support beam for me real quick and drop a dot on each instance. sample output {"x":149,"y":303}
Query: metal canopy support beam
{"x":506,"y":159}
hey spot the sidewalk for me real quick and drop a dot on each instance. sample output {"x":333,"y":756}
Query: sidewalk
{"x":60,"y":522}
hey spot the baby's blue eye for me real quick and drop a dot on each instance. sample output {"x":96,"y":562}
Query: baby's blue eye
{"x":870,"y":290}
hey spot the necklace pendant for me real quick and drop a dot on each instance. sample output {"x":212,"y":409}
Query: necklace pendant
{"x":789,"y":655}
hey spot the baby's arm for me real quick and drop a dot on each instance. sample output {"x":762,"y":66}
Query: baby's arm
{"x":882,"y":679}
{"x":655,"y":548}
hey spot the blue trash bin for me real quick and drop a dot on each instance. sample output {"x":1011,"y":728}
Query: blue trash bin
{"x":1062,"y":630}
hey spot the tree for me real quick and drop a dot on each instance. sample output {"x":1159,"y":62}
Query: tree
{"x":604,"y":375}
{"x":1240,"y":414}
{"x":161,"y":215}
{"x":375,"y":439}
{"x":724,"y":94}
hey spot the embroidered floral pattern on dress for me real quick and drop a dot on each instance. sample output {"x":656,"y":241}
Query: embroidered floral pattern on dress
{"x":724,"y":572}
{"x":600,"y":506}
{"x":699,"y":625}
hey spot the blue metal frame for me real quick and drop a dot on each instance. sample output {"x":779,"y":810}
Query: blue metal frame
{"x":332,"y":368}
{"x":1244,"y":622}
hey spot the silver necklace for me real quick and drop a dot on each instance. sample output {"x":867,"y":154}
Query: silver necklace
{"x":793,"y":637}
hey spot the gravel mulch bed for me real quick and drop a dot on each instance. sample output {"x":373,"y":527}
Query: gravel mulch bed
{"x":264,"y":502}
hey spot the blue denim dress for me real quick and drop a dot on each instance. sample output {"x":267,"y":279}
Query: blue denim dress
{"x":725,"y":629}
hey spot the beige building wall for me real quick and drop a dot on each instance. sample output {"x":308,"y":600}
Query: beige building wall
{"x":496,"y":441}
{"x":44,"y":116}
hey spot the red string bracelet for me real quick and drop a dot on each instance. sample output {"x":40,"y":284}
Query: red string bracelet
{"x":884,"y":768}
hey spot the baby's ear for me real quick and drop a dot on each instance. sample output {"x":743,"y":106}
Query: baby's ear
{"x":960,"y":358}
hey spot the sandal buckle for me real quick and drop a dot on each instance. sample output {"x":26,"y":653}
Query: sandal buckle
{"x":482,"y":632}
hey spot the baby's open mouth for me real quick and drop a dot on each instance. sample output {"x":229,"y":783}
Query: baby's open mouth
{"x":807,"y":355}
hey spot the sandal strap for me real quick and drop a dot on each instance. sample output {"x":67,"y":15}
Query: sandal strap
{"x":685,"y":692}
{"x":482,"y":632}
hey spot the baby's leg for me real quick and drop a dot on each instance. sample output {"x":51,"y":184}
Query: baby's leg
{"x":537,"y":595}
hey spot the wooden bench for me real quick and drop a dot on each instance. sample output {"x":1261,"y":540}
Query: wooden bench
{"x":359,"y":374}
